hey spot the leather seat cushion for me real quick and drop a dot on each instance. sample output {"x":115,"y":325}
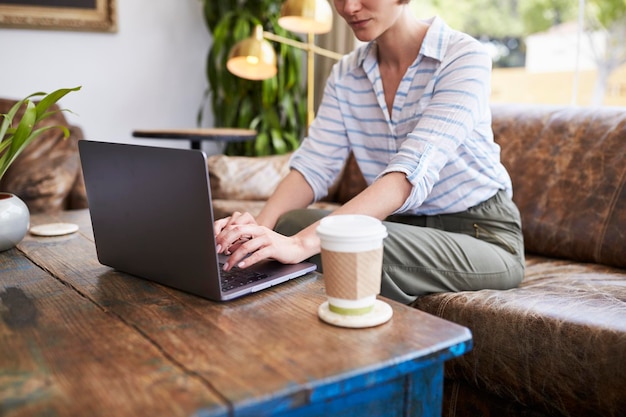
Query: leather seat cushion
{"x":556,"y":343}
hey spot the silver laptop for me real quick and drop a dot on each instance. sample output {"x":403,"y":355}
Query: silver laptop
{"x":152,"y":217}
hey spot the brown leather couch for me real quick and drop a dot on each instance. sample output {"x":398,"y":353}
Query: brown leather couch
{"x":556,"y":345}
{"x":47,"y":174}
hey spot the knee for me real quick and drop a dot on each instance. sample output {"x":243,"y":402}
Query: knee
{"x":294,"y":221}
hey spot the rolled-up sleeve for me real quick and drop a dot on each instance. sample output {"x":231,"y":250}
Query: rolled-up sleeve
{"x":457,"y":106}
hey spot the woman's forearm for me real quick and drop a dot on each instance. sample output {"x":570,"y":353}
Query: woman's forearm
{"x":379,"y":200}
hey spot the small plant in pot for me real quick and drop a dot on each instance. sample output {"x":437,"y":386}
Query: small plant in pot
{"x":15,"y":136}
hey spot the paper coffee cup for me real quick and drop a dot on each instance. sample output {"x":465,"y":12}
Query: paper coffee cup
{"x":352,"y":253}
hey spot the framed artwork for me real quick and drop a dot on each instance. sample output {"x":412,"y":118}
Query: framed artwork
{"x":80,"y":15}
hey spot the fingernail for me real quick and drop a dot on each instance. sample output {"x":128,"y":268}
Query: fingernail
{"x":218,"y":248}
{"x":225,"y":267}
{"x":241,"y":264}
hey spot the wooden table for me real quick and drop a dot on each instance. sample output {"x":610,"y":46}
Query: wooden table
{"x":80,"y":339}
{"x":196,"y":136}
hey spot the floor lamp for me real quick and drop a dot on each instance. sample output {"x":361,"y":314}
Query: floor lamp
{"x":255,"y":59}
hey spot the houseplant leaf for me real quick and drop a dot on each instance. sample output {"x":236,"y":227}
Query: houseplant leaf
{"x":13,"y":140}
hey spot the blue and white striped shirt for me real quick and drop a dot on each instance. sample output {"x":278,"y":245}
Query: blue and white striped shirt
{"x":439,"y":133}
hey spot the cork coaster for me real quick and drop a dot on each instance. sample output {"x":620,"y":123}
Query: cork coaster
{"x":54,"y":229}
{"x":381,"y":313}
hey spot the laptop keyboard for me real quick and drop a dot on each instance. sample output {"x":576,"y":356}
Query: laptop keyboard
{"x":236,"y":278}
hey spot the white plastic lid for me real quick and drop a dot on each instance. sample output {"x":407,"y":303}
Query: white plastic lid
{"x":351,"y":232}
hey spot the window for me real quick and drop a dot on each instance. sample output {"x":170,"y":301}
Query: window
{"x":548,"y":52}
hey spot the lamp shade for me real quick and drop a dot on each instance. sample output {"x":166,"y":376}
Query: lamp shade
{"x":253,"y":58}
{"x":306,"y":16}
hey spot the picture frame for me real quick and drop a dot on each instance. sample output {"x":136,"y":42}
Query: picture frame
{"x":78,"y":15}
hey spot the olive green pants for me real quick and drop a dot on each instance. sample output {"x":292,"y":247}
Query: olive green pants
{"x":479,"y":248}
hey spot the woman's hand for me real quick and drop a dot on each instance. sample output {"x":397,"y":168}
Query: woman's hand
{"x":247,"y":243}
{"x":235,"y":218}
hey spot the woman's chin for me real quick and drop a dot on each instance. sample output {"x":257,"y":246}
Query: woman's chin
{"x":364,"y":36}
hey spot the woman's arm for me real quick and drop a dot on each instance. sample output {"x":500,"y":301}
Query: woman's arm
{"x":379,"y":200}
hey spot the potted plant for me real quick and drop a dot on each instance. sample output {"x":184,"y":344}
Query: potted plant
{"x":15,"y":135}
{"x":275,"y":108}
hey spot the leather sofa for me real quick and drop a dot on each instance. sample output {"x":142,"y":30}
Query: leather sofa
{"x":556,"y":345}
{"x":47,"y":174}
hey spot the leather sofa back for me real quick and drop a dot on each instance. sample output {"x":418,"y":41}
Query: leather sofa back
{"x":568,"y":167}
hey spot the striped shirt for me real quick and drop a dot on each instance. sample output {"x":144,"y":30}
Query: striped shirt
{"x":439,"y":134}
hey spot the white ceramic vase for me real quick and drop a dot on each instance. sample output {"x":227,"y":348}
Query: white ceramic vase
{"x":14,"y":220}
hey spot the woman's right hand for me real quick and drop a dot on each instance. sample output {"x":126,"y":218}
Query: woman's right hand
{"x":237,"y":218}
{"x":233,"y":219}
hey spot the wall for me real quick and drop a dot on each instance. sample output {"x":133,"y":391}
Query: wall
{"x":149,"y":74}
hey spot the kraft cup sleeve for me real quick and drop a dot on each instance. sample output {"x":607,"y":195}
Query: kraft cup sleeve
{"x":352,"y":275}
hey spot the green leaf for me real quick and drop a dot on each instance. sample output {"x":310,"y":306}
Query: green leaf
{"x":4,"y":126}
{"x":278,"y":142}
{"x":51,"y":99}
{"x":8,"y":118}
{"x":261,"y":144}
{"x":246,"y":113}
{"x":24,"y":128}
{"x":13,"y":140}
{"x":269,"y":92}
{"x":4,"y":145}
{"x":242,"y":29}
{"x":272,"y":118}
{"x":293,"y":140}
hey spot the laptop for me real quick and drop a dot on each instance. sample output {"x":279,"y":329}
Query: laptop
{"x":152,"y":217}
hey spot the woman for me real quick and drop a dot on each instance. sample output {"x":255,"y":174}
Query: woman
{"x":412,"y":105}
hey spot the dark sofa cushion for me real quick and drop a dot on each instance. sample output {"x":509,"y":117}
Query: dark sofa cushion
{"x":556,"y":344}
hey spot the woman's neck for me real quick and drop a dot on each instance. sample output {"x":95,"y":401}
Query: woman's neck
{"x":400,"y":44}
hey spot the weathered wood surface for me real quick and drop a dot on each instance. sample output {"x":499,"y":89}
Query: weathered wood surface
{"x":93,"y":341}
{"x":61,"y":354}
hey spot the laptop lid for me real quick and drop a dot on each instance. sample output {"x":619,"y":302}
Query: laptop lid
{"x":152,"y":217}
